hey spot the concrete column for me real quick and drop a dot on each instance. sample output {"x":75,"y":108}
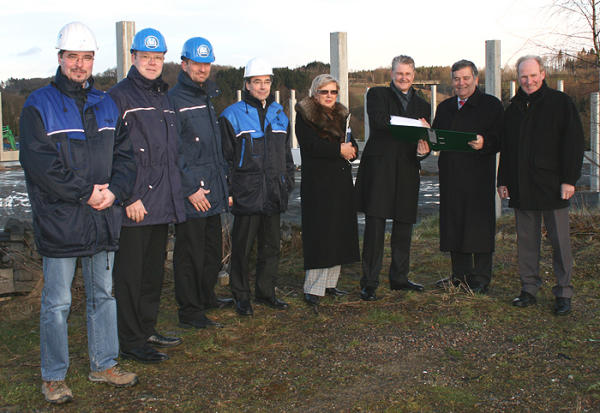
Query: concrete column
{"x":367,"y":130}
{"x":433,"y":102}
{"x":493,"y":87}
{"x":595,"y":141}
{"x":338,"y":57}
{"x":277,"y":96}
{"x":513,"y":89}
{"x":293,"y":118}
{"x":238,"y":95}
{"x":125,"y":33}
{"x":560,"y":85}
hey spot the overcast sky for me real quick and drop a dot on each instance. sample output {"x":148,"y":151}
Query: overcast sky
{"x":286,"y":33}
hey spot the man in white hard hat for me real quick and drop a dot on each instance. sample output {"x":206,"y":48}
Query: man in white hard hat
{"x":78,"y":164}
{"x":256,"y":145}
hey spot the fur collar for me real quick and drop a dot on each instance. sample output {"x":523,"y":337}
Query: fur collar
{"x":330,"y":124}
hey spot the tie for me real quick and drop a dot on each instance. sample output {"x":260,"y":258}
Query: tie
{"x":461,"y":102}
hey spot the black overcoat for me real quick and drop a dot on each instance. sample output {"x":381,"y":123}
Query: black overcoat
{"x":467,"y":179}
{"x":329,"y":224}
{"x":542,"y":148}
{"x":388,"y":177}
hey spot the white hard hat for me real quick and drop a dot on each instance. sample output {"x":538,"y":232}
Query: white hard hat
{"x":258,"y":67}
{"x":76,"y":37}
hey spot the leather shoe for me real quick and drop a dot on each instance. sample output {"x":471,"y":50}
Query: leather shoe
{"x":562,"y":306}
{"x":447,"y":282}
{"x":159,"y":340}
{"x":311,"y":299}
{"x":407,"y":286}
{"x":224,"y":301}
{"x":524,"y":300}
{"x":202,"y":323}
{"x":145,"y":354}
{"x":273,"y":302}
{"x":243,"y":307}
{"x":367,"y":294}
{"x":335,"y":292}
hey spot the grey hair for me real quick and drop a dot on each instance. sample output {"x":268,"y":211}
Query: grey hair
{"x":320,"y":81}
{"x":461,"y":64}
{"x":402,"y":59}
{"x":530,"y":57}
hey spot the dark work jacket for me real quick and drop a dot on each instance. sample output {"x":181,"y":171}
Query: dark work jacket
{"x":71,"y":139}
{"x":150,"y":121}
{"x":467,"y":179}
{"x":256,"y":146}
{"x":542,"y":148}
{"x":201,"y":161}
{"x":388,"y":176}
{"x":329,"y":223}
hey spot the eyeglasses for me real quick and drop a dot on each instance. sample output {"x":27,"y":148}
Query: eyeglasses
{"x":72,"y":58}
{"x":327,"y":92}
{"x":150,"y":58}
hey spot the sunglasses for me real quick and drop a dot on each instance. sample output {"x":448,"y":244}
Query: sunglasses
{"x":327,"y":92}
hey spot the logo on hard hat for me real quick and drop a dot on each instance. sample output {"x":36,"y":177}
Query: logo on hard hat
{"x":151,"y":42}
{"x":203,"y":50}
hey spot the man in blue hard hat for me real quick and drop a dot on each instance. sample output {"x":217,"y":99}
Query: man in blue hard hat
{"x":155,"y":203}
{"x":198,"y":243}
{"x":78,"y":165}
{"x":256,"y":145}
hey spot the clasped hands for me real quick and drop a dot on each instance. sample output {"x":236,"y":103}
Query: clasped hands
{"x":101,"y":197}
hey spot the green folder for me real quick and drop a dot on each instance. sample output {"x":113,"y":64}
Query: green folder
{"x":438,"y":139}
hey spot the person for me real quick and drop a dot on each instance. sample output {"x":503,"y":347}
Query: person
{"x":467,"y":180}
{"x":256,"y":146}
{"x":388,"y":179}
{"x":155,"y":203}
{"x":540,"y":162}
{"x":198,"y":242}
{"x":77,"y":162}
{"x":329,"y":223}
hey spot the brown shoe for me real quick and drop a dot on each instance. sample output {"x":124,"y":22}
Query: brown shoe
{"x":56,"y":392}
{"x":114,"y":376}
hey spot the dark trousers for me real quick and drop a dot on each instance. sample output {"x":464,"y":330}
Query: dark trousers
{"x":372,"y":257}
{"x":245,"y":229}
{"x":529,"y":239}
{"x":138,"y":276}
{"x":196,"y":264}
{"x":474,"y":269}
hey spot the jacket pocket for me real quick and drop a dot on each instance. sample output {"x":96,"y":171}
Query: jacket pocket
{"x":247,"y":190}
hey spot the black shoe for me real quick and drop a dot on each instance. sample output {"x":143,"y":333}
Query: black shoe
{"x":335,"y":292}
{"x":273,"y":302}
{"x":479,"y":288}
{"x":145,"y":354}
{"x":407,"y":286}
{"x":367,"y":294}
{"x":311,"y":299}
{"x":203,"y":323}
{"x":524,"y":300}
{"x":224,"y":301}
{"x":562,"y":306}
{"x":159,"y":340}
{"x":243,"y":307}
{"x":447,"y":282}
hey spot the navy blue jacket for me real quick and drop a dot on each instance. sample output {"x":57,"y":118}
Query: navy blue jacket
{"x":201,"y":161}
{"x":150,"y":121}
{"x":71,"y":139}
{"x":256,"y":145}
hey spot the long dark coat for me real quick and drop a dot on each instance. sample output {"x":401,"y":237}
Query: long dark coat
{"x":388,"y":177}
{"x":467,"y":179}
{"x":542,"y":148}
{"x":329,"y":224}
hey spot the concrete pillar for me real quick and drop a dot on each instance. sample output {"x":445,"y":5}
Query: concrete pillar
{"x":293,"y":118}
{"x":433,"y":102}
{"x":238,"y":95}
{"x":125,"y":33}
{"x":560,"y":85}
{"x":513,"y":89}
{"x":338,"y":58}
{"x":277,"y":96}
{"x":367,"y":130}
{"x":493,"y":79}
{"x":595,"y":141}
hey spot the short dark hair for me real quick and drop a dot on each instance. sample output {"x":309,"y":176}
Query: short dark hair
{"x":461,"y":64}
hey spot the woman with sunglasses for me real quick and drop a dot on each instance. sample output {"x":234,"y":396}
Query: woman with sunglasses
{"x":329,"y":226}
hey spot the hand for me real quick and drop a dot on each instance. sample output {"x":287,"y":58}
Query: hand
{"x":422,"y":147}
{"x":199,"y":201}
{"x":96,"y":197}
{"x":477,"y":144}
{"x":109,"y":199}
{"x":503,"y":192}
{"x":566,"y":191}
{"x":425,"y":123}
{"x":230,"y":201}
{"x":136,"y":211}
{"x":347,"y":151}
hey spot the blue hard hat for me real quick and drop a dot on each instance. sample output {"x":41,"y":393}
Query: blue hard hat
{"x":198,"y":49}
{"x":149,"y":40}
